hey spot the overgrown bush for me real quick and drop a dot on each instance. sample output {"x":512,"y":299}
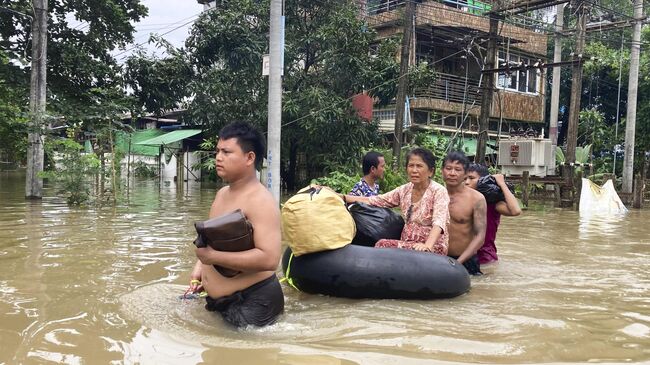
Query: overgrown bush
{"x":338,"y":181}
{"x":143,"y":170}
{"x":73,"y":171}
{"x":206,"y":160}
{"x":341,"y":180}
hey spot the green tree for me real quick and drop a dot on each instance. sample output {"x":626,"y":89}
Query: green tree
{"x":327,"y":61}
{"x":73,"y":171}
{"x":79,"y":55}
{"x":149,"y":78}
{"x":601,"y":88}
{"x":13,"y":120}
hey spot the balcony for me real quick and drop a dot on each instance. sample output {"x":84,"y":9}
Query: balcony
{"x":464,"y":16}
{"x":452,"y":88}
{"x":451,"y":94}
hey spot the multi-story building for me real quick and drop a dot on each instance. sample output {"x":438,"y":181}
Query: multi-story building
{"x":452,"y":36}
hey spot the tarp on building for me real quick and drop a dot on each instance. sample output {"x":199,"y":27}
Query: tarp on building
{"x":170,"y":137}
{"x":122,"y":142}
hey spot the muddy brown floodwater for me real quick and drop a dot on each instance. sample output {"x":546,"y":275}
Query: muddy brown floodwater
{"x":102,"y":286}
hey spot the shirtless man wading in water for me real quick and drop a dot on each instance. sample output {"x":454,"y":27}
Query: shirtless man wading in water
{"x":467,"y":211}
{"x":254,"y":296}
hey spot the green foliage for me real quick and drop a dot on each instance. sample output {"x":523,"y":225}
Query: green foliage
{"x":82,"y":74}
{"x":593,"y":130}
{"x":13,"y":116}
{"x":582,"y":156}
{"x":142,"y":170}
{"x":148,"y":77}
{"x":438,"y":145}
{"x":338,"y":181}
{"x":343,"y":177}
{"x":393,"y":179}
{"x":326,"y":62}
{"x":206,"y":161}
{"x":600,"y":89}
{"x":343,"y":182}
{"x":79,"y":57}
{"x":73,"y":171}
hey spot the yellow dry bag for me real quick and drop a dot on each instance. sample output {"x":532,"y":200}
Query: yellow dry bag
{"x":316,"y":219}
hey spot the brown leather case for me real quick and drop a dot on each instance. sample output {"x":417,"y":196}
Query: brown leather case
{"x":231,"y":232}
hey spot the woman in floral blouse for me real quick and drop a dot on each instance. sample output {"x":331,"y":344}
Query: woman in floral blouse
{"x":424,"y":204}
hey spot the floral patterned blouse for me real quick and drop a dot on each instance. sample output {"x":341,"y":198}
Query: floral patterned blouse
{"x":431,"y":209}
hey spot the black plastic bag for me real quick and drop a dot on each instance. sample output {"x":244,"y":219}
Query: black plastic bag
{"x":487,"y":185}
{"x":374,"y":223}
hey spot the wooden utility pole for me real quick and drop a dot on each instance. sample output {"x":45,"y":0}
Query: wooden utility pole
{"x":403,"y":83}
{"x":632,"y":90}
{"x":576,"y":91}
{"x":488,"y":90}
{"x":557,"y":71}
{"x":37,"y":101}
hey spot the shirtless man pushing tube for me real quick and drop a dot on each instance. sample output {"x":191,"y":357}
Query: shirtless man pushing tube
{"x":467,"y":212}
{"x":253,"y":297}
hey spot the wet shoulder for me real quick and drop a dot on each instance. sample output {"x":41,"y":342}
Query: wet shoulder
{"x":222,"y":193}
{"x":260,"y":198}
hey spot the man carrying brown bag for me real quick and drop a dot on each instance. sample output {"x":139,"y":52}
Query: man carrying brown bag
{"x":241,"y":284}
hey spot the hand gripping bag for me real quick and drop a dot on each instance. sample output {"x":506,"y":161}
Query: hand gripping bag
{"x":230,"y":232}
{"x":316,"y":220}
{"x":374,"y":223}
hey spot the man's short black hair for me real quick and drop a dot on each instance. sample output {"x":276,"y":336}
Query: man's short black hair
{"x":481,"y":170}
{"x":456,"y":156}
{"x":426,"y":156}
{"x":248,"y":137}
{"x":370,"y":160}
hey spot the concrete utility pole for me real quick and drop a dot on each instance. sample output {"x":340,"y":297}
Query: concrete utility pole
{"x":37,"y":101}
{"x":555,"y":89}
{"x":488,"y":90}
{"x":576,"y":90}
{"x":276,"y":49}
{"x":618,"y":103}
{"x":403,"y":83}
{"x":632,"y":90}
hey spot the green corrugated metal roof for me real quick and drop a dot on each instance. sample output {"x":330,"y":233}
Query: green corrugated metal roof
{"x":170,"y":137}
{"x":122,"y":142}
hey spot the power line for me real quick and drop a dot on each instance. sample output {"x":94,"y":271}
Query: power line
{"x":163,"y":34}
{"x":12,"y":11}
{"x":373,"y":88}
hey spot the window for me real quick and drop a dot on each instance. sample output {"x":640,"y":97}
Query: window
{"x":493,"y":125}
{"x":450,"y":121}
{"x":514,"y":61}
{"x":420,"y":117}
{"x":532,"y":80}
{"x":524,"y":81}
{"x":384,"y":114}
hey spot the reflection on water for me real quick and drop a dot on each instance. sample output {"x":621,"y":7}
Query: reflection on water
{"x":601,"y":224}
{"x":102,"y":285}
